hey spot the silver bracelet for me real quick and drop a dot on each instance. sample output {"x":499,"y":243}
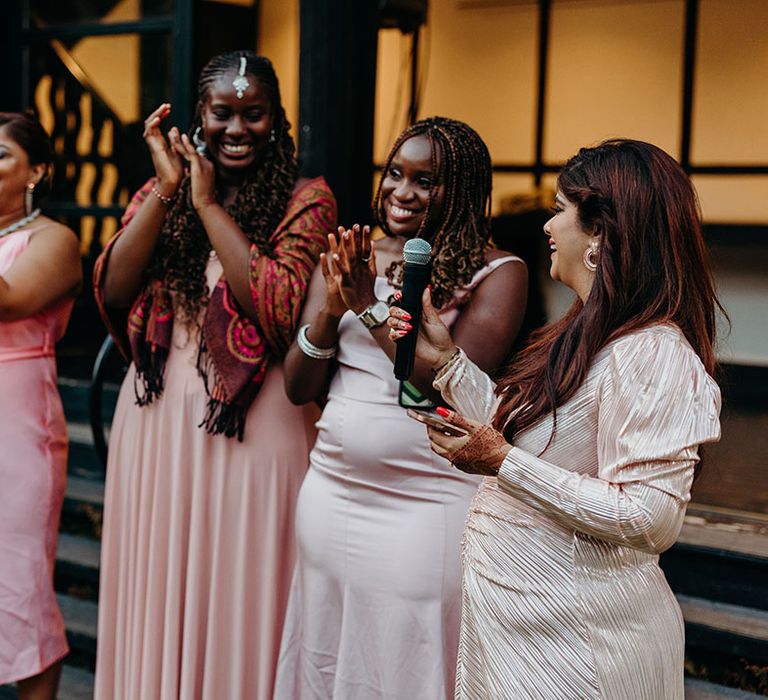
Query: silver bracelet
{"x":310,"y":349}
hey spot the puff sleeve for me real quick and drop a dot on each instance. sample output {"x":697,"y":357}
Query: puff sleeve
{"x":656,"y":405}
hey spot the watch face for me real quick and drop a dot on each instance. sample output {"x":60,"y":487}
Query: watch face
{"x":380,"y":312}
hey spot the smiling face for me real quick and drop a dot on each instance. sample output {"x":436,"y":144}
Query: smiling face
{"x":406,"y":188}
{"x":236,"y":129}
{"x":15,"y":174}
{"x":568,"y":243}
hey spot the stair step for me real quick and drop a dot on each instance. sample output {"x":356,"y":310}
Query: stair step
{"x":701,"y":690}
{"x":747,"y":622}
{"x":82,"y":490}
{"x":726,"y":529}
{"x":81,"y":620}
{"x":77,"y":565}
{"x":75,"y":684}
{"x":75,"y":395}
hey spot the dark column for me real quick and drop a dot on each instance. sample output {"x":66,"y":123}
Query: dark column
{"x":11,"y":56}
{"x":337,"y":82}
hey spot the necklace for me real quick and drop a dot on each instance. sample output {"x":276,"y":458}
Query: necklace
{"x":20,"y":223}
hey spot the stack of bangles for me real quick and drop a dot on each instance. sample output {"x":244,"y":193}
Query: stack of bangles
{"x":310,"y":349}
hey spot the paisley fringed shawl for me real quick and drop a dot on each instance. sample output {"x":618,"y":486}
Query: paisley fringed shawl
{"x":234,"y":351}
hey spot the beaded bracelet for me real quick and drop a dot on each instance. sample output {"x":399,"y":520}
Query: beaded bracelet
{"x":165,"y":200}
{"x":310,"y":349}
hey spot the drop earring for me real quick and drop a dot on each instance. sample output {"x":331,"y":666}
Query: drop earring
{"x":590,"y":257}
{"x":272,"y":137}
{"x":198,"y":138}
{"x":29,"y":198}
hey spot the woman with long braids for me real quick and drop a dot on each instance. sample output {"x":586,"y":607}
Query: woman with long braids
{"x":202,"y":289}
{"x":588,"y":443}
{"x":375,"y":603}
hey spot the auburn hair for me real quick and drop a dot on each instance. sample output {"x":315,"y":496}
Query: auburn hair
{"x":652,"y":268}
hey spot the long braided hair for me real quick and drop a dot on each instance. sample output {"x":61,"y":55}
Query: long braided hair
{"x":183,"y":248}
{"x":460,"y":231}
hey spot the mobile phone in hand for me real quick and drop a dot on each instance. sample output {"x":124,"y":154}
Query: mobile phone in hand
{"x":435,"y":421}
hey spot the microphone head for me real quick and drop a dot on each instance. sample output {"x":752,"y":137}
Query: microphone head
{"x":417,"y":251}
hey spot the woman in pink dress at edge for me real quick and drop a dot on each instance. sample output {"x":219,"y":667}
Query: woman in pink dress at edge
{"x":202,"y":290}
{"x":40,"y":274}
{"x":589,"y":444}
{"x":375,"y":602}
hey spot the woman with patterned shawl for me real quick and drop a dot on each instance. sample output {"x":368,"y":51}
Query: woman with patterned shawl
{"x":202,"y":289}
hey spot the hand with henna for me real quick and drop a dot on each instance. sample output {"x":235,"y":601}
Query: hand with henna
{"x":481,"y":451}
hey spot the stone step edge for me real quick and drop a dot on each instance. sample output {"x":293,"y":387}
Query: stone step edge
{"x":725,"y":617}
{"x":696,"y":689}
{"x":78,"y":550}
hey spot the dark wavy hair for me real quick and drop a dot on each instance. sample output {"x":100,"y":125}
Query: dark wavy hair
{"x":28,"y":133}
{"x":652,"y":267}
{"x":183,"y":248}
{"x":460,"y":231}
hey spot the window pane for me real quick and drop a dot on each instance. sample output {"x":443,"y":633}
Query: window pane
{"x":730,"y":99}
{"x":92,"y":98}
{"x":615,"y":70}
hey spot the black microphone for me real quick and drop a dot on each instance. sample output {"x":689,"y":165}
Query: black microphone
{"x":416,"y":274}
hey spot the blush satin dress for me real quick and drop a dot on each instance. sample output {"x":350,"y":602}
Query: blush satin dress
{"x":33,"y":470}
{"x":563,"y":596}
{"x":375,"y":603}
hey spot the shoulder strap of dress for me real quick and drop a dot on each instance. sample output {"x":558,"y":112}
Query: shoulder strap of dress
{"x":483,"y":272}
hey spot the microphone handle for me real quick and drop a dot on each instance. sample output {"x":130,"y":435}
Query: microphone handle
{"x":415,"y":280}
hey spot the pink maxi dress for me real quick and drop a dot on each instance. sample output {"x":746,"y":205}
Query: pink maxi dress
{"x":197,"y":550}
{"x":33,"y":468}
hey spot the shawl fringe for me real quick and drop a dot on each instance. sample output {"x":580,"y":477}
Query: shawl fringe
{"x":150,"y":373}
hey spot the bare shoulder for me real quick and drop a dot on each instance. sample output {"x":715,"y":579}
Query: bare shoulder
{"x":53,"y":232}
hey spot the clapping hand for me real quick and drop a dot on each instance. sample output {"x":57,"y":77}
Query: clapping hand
{"x":481,"y":451}
{"x":169,"y":168}
{"x":352,"y":265}
{"x":202,"y":173}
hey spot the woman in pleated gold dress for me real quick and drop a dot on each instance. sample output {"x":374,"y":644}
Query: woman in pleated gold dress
{"x":591,"y":445}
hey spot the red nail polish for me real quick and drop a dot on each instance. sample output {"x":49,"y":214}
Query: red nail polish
{"x":443,"y":411}
{"x":409,"y":327}
{"x":398,"y":295}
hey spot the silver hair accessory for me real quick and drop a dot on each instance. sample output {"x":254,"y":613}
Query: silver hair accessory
{"x":590,"y":257}
{"x":29,"y":198}
{"x":198,"y":138}
{"x":240,"y":83}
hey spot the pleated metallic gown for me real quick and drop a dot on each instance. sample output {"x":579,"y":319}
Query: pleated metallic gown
{"x":563,"y":596}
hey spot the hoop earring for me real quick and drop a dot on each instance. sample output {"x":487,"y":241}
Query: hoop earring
{"x":272,"y":137}
{"x":590,"y":257}
{"x":199,"y":141}
{"x":29,"y":198}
